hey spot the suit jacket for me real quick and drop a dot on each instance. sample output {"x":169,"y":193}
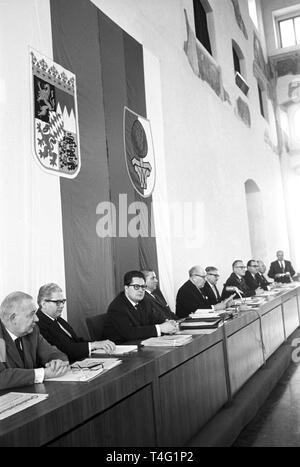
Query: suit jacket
{"x":125,"y":323}
{"x":74,"y":347}
{"x":235,"y":281}
{"x":37,"y":352}
{"x":275,"y":268}
{"x":208,"y":291}
{"x":189,"y":298}
{"x":263,"y":282}
{"x":251,"y":282}
{"x":159,"y":305}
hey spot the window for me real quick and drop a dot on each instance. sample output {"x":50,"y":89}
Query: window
{"x":253,"y":12}
{"x":239,"y":68}
{"x":289,"y":31}
{"x":202,"y":26}
{"x":236,"y":61}
{"x":262,"y":101}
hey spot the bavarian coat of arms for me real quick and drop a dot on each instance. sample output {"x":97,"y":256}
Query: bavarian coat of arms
{"x":55,"y":118}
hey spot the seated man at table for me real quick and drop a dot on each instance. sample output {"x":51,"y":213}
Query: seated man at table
{"x":281,"y":270}
{"x":210,"y":287}
{"x":25,"y":356}
{"x":261,"y":269}
{"x":58,"y":332}
{"x":251,"y":277}
{"x":236,"y":282}
{"x":130,"y":317}
{"x":155,"y":296}
{"x":191,"y":296}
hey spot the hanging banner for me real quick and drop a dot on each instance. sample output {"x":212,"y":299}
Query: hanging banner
{"x":55,"y":118}
{"x":139,"y":152}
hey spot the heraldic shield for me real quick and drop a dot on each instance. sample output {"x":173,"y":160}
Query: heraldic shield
{"x":55,"y":122}
{"x":139,"y":152}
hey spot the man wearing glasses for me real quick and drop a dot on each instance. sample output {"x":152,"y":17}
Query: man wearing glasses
{"x":192,"y":296}
{"x":58,"y":332}
{"x":236,"y":282}
{"x":210,"y":287}
{"x":251,"y":277}
{"x":25,"y":356}
{"x":130,"y":317}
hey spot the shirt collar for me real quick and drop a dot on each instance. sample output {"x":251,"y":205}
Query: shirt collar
{"x":50,"y":317}
{"x":12,"y":335}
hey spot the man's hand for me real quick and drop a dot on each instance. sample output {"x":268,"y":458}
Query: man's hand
{"x":169,"y":327}
{"x":56,"y":368}
{"x":259,"y":291}
{"x":107,"y":345}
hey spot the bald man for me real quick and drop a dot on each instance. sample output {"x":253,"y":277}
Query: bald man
{"x":25,"y":356}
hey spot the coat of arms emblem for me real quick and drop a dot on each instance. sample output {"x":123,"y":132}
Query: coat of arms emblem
{"x":139,"y":152}
{"x":55,"y":118}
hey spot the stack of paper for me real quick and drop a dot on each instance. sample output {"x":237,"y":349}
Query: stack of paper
{"x":87,"y":369}
{"x":120,"y":350}
{"x":14,"y":402}
{"x":174,"y":340}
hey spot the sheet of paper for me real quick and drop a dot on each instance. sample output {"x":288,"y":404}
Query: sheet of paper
{"x":14,"y":402}
{"x":88,"y":369}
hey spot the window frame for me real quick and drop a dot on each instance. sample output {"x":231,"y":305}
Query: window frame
{"x":278,"y":18}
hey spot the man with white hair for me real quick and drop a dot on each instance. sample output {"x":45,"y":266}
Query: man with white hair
{"x":281,"y":270}
{"x":25,"y":356}
{"x":58,"y":332}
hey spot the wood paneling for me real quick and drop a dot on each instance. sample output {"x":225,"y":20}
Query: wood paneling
{"x":291,"y":317}
{"x":273,"y":333}
{"x":190,"y":395}
{"x":129,"y":423}
{"x":244,"y":355}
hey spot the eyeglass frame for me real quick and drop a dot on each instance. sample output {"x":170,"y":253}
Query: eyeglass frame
{"x":138,"y":286}
{"x":212,"y":274}
{"x":57,"y":302}
{"x":199,"y":275}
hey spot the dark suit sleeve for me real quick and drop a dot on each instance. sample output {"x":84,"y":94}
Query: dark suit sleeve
{"x":126,"y":329}
{"x":15,"y":377}
{"x":74,"y":350}
{"x":291,"y":269}
{"x":272,"y":271}
{"x":47,"y":352}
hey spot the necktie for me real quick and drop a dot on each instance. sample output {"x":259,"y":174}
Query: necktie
{"x":63,"y":329}
{"x":19,"y":348}
{"x":281,"y":264}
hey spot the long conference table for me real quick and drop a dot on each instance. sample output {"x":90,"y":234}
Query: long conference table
{"x":157,"y":396}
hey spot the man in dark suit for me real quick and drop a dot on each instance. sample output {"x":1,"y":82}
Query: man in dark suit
{"x":130,"y":317}
{"x":236,"y":282}
{"x":261,"y":269}
{"x":210,"y":287}
{"x":251,"y":277}
{"x":191,"y":295}
{"x":281,"y":270}
{"x":155,"y":296}
{"x":58,"y":332}
{"x":25,"y":356}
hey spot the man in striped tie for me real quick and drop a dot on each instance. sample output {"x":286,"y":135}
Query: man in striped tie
{"x":58,"y":332}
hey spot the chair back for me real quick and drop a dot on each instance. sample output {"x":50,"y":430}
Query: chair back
{"x":95,"y":325}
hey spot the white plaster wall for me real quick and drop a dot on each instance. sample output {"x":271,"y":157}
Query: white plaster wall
{"x":209,"y":152}
{"x":31,"y":248}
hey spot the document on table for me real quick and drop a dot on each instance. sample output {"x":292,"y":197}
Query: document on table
{"x":120,"y":350}
{"x":87,"y":369}
{"x":14,"y":402}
